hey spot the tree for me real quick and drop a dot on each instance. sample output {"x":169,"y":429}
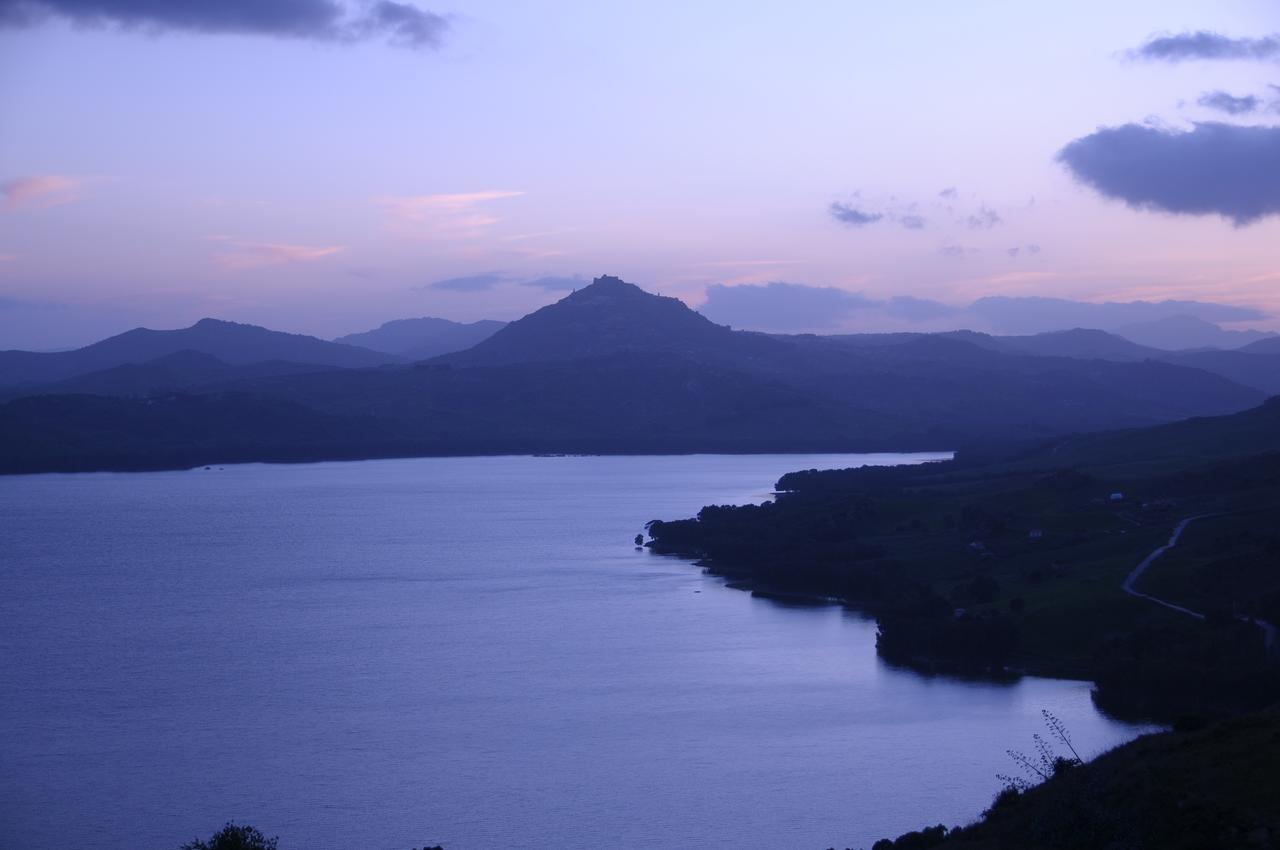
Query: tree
{"x":233,"y":837}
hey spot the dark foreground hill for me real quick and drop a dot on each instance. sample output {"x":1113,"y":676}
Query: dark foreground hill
{"x":611,"y":368}
{"x":1205,"y":789}
{"x":230,"y":342}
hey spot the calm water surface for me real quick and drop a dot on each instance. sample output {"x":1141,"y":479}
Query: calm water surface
{"x":458,"y":650}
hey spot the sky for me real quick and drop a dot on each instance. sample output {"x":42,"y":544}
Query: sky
{"x":321,"y":167}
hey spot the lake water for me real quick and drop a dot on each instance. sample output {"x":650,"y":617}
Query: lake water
{"x":469,"y":651}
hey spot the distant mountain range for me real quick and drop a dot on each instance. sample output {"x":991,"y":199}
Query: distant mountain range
{"x":230,"y":342}
{"x":609,"y":368}
{"x":418,"y":339}
{"x":1178,"y":333}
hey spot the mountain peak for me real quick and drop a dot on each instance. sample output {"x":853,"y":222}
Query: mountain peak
{"x":606,"y":317}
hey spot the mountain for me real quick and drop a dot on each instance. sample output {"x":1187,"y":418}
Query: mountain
{"x":418,"y":339}
{"x":1037,"y":314}
{"x":1179,"y":333}
{"x":613,"y":369}
{"x":609,"y":317}
{"x":231,"y":342}
{"x":1271,"y":345}
{"x":1081,"y":344}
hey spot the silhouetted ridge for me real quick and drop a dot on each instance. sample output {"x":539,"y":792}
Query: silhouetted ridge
{"x":608,"y":317}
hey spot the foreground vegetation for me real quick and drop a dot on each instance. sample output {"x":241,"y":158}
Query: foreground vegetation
{"x":235,"y":836}
{"x":1200,"y":789}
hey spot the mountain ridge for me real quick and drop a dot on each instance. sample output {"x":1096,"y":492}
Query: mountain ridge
{"x":232,"y":342}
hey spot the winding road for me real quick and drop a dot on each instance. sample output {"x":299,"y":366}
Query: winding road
{"x":1268,"y":630}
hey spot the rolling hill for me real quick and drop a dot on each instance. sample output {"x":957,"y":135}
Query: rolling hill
{"x":230,"y":342}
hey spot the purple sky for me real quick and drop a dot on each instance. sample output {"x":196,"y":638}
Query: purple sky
{"x":321,"y":168}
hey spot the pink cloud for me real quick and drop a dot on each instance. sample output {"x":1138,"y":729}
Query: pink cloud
{"x":447,"y":214}
{"x":40,"y":191}
{"x":240,"y":255}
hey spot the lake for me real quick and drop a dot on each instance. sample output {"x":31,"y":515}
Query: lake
{"x":466,"y":651}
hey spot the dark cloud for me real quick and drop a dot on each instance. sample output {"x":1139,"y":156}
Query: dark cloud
{"x":551,"y":282}
{"x":1018,"y":249}
{"x":949,"y":193}
{"x":782,"y":307}
{"x":911,"y":221}
{"x":1207,"y":45}
{"x":470,"y":283}
{"x":984,"y":219}
{"x":846,"y":214}
{"x":1014,"y":251}
{"x":401,"y":24}
{"x":1229,"y":103}
{"x":951,"y":250}
{"x":1213,"y":169}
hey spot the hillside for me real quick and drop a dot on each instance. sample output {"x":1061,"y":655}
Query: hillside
{"x":1202,"y":789}
{"x":1016,"y":565}
{"x":230,"y":342}
{"x":1179,"y":444}
{"x":182,"y":371}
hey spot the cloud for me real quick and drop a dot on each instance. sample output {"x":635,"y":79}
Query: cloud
{"x":1018,"y":249}
{"x":782,"y":307}
{"x":950,"y":193}
{"x":952,"y":250}
{"x":1228,"y":103}
{"x":984,"y":219}
{"x":455,"y":215}
{"x":796,"y":308}
{"x":40,"y":191}
{"x":911,"y":221}
{"x":470,"y":283}
{"x":399,"y":24}
{"x":1206,"y":45}
{"x":238,"y":255}
{"x":1213,"y":169}
{"x":846,"y":214}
